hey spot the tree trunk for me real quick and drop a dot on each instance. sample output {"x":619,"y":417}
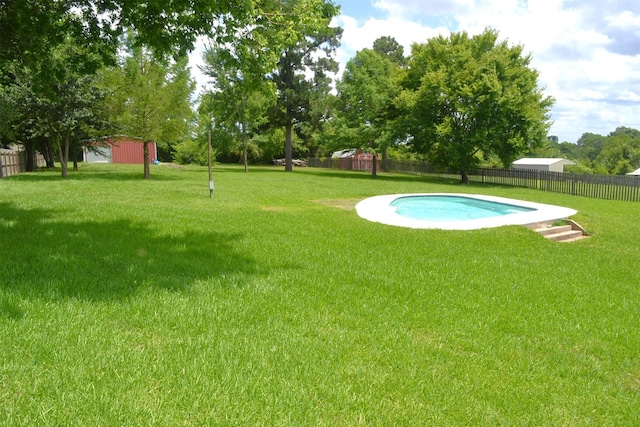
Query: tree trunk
{"x":145,"y":149}
{"x":384,"y":166}
{"x":75,"y":156}
{"x":288,"y":147}
{"x":244,"y":152}
{"x":66,"y":154}
{"x":465,"y":178}
{"x":47,"y":151}
{"x":30,"y":152}
{"x":244,"y":134}
{"x":63,"y":154}
{"x":374,"y":171}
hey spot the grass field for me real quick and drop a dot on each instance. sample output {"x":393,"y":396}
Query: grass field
{"x":133,"y":302}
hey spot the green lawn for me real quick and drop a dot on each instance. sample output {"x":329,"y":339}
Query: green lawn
{"x":132,"y":302}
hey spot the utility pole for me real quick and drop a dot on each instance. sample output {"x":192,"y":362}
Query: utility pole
{"x":210,"y":173}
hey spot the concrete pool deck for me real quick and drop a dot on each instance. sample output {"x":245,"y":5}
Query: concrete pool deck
{"x":379,"y":209}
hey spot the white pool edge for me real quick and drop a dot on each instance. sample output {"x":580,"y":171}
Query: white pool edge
{"x":379,"y":209}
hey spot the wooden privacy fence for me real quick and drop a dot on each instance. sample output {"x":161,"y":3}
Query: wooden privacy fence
{"x":13,"y":162}
{"x":608,"y":187}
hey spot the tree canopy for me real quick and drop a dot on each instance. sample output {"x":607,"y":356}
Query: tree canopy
{"x":466,"y":96}
{"x":30,"y":28}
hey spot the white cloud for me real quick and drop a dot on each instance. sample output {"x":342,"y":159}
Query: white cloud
{"x":629,"y":96}
{"x":625,"y":20}
{"x":358,"y":36}
{"x":398,"y":8}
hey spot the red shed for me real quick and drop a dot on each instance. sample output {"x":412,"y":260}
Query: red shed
{"x":363,"y":161}
{"x":353,"y":159}
{"x":120,"y":150}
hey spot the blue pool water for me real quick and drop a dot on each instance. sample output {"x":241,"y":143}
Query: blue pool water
{"x":452,"y":208}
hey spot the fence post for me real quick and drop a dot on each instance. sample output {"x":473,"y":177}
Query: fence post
{"x":1,"y":167}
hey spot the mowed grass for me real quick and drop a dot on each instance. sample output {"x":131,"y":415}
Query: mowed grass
{"x":133,"y":302}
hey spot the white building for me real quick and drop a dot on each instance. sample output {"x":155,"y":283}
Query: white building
{"x":635,"y":172}
{"x":542,"y":164}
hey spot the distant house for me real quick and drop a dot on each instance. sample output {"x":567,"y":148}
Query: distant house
{"x":119,"y":150}
{"x":542,"y":164}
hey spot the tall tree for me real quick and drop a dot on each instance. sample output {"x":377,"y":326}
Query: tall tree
{"x":73,"y":107}
{"x":241,"y":94}
{"x":152,"y":100}
{"x":309,"y":36}
{"x":56,"y":107}
{"x":388,"y":47}
{"x":466,"y":96}
{"x":72,"y":97}
{"x":366,"y":91}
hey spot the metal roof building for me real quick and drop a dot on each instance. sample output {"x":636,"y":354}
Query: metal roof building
{"x":120,"y":150}
{"x":542,"y":164}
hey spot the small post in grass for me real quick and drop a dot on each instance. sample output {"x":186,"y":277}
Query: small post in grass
{"x":210,"y":174}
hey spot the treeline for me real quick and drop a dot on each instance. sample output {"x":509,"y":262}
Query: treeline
{"x":95,"y":69}
{"x":616,"y":154}
{"x":454,"y":101}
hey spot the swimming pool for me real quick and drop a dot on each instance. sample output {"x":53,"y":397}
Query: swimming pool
{"x":450,"y":211}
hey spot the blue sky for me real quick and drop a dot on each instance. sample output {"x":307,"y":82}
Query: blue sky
{"x":587,"y":52}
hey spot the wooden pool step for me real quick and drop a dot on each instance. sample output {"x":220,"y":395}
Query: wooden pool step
{"x":569,"y":232}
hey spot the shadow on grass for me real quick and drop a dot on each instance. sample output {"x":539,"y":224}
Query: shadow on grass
{"x":365,"y":176}
{"x":93,"y":260}
{"x":106,"y":173}
{"x":236,"y":168}
{"x":382,"y":176}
